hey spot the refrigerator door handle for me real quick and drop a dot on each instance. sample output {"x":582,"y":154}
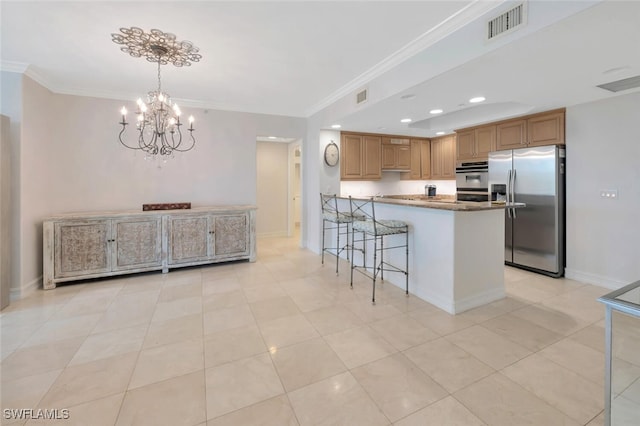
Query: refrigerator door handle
{"x":508,"y":194}
{"x":513,"y":191}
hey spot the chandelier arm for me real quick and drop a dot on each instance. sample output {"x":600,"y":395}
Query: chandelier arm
{"x":175,"y":145}
{"x":193,"y":143}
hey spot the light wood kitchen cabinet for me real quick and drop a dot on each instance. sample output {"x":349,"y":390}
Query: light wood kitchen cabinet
{"x":361,"y":157}
{"x":443,"y":157}
{"x":511,"y":134}
{"x":420,"y":160}
{"x":425,"y":160}
{"x":546,"y":129}
{"x":475,"y":144}
{"x":97,"y":245}
{"x":396,"y":154}
{"x":535,"y":130}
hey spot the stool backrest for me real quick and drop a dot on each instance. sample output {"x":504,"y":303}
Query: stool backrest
{"x":364,"y":208}
{"x":329,"y":203}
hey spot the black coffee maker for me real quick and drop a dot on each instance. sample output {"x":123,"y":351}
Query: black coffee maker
{"x":430,"y":190}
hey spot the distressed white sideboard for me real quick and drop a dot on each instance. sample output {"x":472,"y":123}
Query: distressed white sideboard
{"x":79,"y":246}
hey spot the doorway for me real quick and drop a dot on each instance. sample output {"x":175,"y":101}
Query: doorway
{"x":278,"y":187}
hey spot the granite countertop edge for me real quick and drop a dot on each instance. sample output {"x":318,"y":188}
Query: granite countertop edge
{"x":459,"y":206}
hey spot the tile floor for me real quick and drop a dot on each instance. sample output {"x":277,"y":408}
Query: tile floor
{"x":283,"y":341}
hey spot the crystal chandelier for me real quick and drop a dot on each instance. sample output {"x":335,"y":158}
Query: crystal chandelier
{"x":158,"y":119}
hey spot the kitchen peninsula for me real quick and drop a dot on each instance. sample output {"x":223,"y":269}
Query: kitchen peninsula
{"x":456,"y":249}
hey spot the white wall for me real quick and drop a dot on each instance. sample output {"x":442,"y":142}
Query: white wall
{"x":71,"y":160}
{"x":272,"y":189}
{"x":603,"y":152}
{"x":391,"y":184}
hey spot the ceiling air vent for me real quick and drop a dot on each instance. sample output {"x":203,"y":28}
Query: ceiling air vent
{"x":620,"y":85}
{"x":507,"y":22}
{"x":361,"y":96}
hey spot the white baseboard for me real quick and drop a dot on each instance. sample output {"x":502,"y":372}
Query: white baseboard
{"x":595,"y":279}
{"x":488,"y":296}
{"x":272,"y":234}
{"x":25,"y":290}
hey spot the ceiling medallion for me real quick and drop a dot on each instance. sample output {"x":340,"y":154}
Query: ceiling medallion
{"x":158,"y":119}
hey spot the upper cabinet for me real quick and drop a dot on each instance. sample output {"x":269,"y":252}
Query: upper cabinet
{"x":443,"y":157}
{"x":396,"y":154}
{"x":540,"y":129}
{"x":420,"y":160}
{"x":476,"y":144}
{"x":361,"y":157}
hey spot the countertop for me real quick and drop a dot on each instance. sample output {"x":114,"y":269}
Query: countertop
{"x":441,"y":202}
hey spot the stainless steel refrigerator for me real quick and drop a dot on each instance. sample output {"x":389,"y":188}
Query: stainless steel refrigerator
{"x":534,"y":234}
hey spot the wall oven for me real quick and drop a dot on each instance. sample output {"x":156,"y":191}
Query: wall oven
{"x":472,"y":181}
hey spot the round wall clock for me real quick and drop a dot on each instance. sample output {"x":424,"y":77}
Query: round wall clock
{"x":331,"y":154}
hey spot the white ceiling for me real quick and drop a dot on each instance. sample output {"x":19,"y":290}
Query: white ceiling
{"x":296,"y":58}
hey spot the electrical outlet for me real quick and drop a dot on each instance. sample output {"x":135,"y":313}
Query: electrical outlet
{"x":609,"y":193}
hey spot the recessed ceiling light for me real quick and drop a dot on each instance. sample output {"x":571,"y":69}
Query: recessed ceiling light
{"x":439,"y":133}
{"x":405,"y":120}
{"x":408,"y":96}
{"x":335,"y":126}
{"x":272,"y":137}
{"x":435,"y":111}
{"x":477,"y":99}
{"x":381,"y":128}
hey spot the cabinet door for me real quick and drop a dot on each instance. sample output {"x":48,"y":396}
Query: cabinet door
{"x":372,"y":164}
{"x":351,"y":161}
{"x":403,"y":158}
{"x":448,"y":157}
{"x":425,"y":160}
{"x":81,"y":248}
{"x":189,"y":239}
{"x":485,"y":142}
{"x":231,"y":235}
{"x":546,"y":129}
{"x":436,"y":158}
{"x":512,"y":134}
{"x":466,"y":145}
{"x":137,"y":243}
{"x":415,"y":151}
{"x":388,"y":156}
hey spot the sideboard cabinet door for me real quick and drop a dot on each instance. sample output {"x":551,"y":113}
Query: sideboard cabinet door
{"x":231,"y":235}
{"x":138,"y":243}
{"x":189,"y":239}
{"x":81,"y":248}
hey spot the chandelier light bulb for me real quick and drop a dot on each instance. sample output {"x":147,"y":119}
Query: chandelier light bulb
{"x":143,"y":107}
{"x":191,"y":119}
{"x":123,"y":111}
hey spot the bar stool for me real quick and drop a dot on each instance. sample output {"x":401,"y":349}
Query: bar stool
{"x":373,"y":231}
{"x":340,"y":221}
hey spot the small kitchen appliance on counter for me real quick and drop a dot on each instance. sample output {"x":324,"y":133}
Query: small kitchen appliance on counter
{"x":430,"y":190}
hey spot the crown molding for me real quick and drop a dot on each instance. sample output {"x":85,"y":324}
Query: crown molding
{"x":463,"y":17}
{"x":11,"y":66}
